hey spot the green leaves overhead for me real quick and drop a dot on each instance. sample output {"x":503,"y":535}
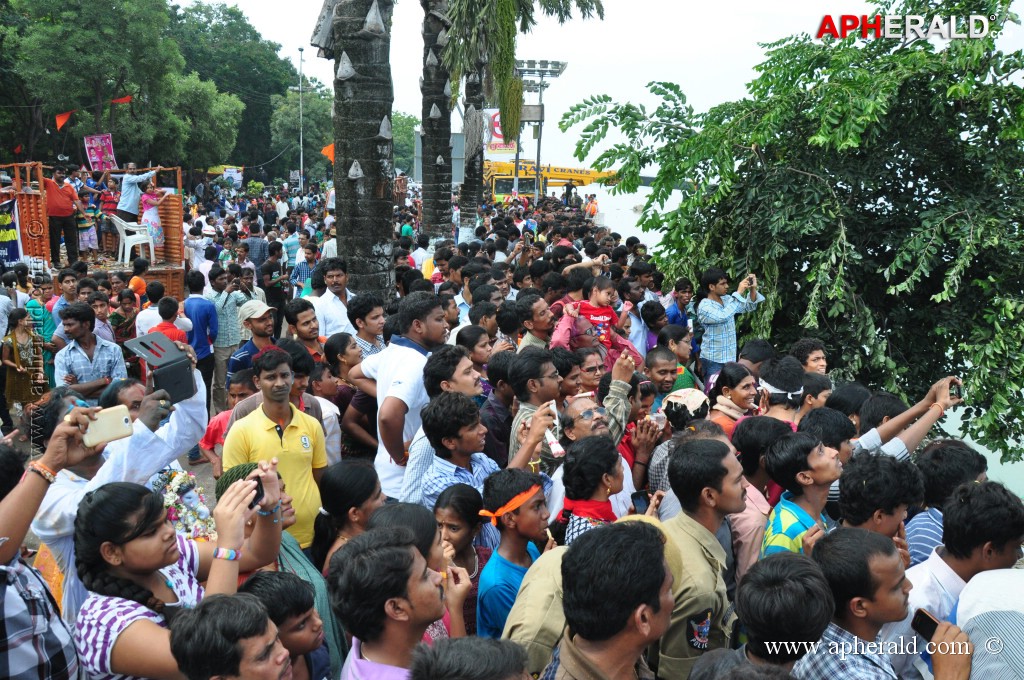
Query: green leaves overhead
{"x":483,"y":33}
{"x":875,"y":187}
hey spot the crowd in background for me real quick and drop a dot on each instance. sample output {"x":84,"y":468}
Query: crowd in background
{"x":536,"y":456}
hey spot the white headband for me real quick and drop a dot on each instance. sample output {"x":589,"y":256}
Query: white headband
{"x":775,"y":390}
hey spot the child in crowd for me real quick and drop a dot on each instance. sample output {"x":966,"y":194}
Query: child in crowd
{"x":679,"y":339}
{"x":514,"y":501}
{"x":803,"y":466}
{"x":289,"y":602}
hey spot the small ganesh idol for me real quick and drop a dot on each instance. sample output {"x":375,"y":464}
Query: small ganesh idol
{"x":186,"y":506}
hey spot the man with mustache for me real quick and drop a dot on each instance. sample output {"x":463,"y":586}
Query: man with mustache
{"x":296,"y":438}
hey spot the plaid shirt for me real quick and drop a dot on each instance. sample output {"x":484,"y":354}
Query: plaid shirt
{"x":858,"y":663}
{"x":719,"y":322}
{"x":229,"y":329}
{"x":34,"y":641}
{"x":369,"y":348}
{"x":443,"y":473}
{"x":301,"y":273}
{"x":258,"y":250}
{"x":107,"y":362}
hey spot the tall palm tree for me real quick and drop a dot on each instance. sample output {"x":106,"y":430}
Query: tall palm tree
{"x":481,"y":45}
{"x":355,"y":33}
{"x":436,"y":123}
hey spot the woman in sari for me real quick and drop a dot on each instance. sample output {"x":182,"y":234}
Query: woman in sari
{"x":122,"y":320}
{"x":23,"y":358}
{"x":42,"y":322}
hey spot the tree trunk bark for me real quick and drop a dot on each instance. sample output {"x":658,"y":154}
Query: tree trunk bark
{"x":471,"y":195}
{"x":364,"y":167}
{"x":437,"y":127}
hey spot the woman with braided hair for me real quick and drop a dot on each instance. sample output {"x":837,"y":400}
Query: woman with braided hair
{"x":140,"y":573}
{"x":292,"y":560}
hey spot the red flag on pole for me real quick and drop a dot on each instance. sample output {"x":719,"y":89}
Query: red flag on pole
{"x":62,"y":118}
{"x":328,"y":151}
{"x":122,"y":100}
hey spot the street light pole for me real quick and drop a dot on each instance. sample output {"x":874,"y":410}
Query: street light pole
{"x":540,"y":132}
{"x":542,"y":69}
{"x":302,"y":166}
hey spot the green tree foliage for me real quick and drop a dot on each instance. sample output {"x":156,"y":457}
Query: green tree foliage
{"x":317,"y":127}
{"x":219,"y":43}
{"x":212,"y":120}
{"x":58,"y":56}
{"x":875,"y":187}
{"x":404,"y":131}
{"x":71,"y":57}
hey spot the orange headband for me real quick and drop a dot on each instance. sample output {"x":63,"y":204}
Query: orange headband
{"x":511,"y":506}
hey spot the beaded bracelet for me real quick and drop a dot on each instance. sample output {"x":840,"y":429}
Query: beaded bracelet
{"x":267,"y":513}
{"x":41,"y":469}
{"x":227,"y":554}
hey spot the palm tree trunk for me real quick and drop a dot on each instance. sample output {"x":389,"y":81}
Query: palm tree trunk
{"x":471,"y":195}
{"x":437,"y":126}
{"x":364,"y":167}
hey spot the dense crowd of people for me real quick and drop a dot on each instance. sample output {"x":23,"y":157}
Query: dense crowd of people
{"x":536,"y":457}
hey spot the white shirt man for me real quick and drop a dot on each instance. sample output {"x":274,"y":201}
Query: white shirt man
{"x":150,"y":317}
{"x":398,"y":371}
{"x":332,"y":314}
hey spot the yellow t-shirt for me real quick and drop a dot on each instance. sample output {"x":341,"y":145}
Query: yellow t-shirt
{"x":299,"y":451}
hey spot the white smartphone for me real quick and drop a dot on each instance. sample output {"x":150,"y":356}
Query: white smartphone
{"x":110,"y":425}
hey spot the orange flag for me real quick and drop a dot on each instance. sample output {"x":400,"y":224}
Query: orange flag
{"x":328,"y":151}
{"x":62,"y":118}
{"x":122,"y":100}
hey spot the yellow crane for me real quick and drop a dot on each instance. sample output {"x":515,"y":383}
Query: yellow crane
{"x":499,"y":178}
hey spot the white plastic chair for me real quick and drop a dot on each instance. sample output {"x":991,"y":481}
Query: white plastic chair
{"x":132,"y":234}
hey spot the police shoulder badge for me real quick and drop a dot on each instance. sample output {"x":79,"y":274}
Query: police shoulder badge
{"x":697,"y":631}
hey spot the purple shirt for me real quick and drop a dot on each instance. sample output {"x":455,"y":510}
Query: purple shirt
{"x":358,"y":668}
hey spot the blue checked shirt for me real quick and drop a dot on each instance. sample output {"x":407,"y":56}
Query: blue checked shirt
{"x":107,"y":361}
{"x":443,"y":473}
{"x":258,"y":250}
{"x":229,"y":330}
{"x":36,"y":642}
{"x":301,"y":273}
{"x":719,"y":322}
{"x":368,"y":348}
{"x":844,"y":656}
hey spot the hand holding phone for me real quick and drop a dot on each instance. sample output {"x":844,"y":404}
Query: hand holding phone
{"x":924,"y":624}
{"x":640,"y":502}
{"x":259,"y":494}
{"x":110,"y":425}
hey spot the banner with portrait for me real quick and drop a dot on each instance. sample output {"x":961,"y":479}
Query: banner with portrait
{"x":99,"y":149}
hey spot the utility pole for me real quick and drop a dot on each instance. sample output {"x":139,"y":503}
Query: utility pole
{"x":302,"y":165}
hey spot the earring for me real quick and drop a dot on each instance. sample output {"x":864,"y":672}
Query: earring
{"x":608,"y":490}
